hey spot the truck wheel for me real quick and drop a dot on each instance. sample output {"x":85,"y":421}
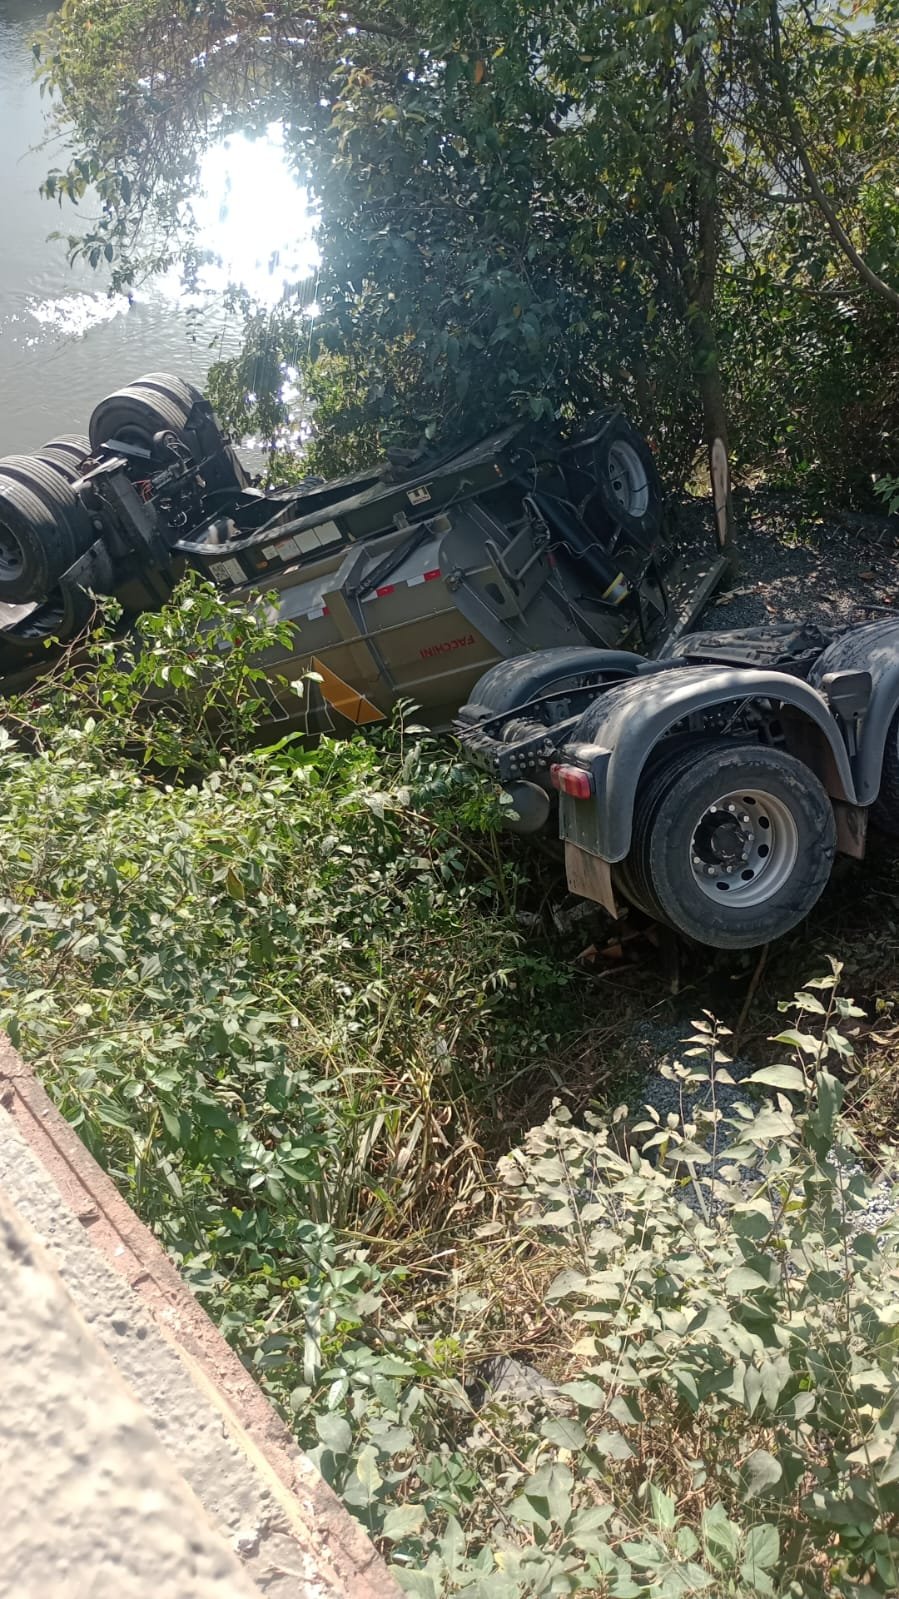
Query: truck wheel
{"x":162,"y":402}
{"x":223,"y":473}
{"x":66,"y":455}
{"x":627,"y":479}
{"x":35,"y":548}
{"x":734,"y":844}
{"x":174,"y":388}
{"x":885,"y":810}
{"x":48,"y":485}
{"x":134,"y":414}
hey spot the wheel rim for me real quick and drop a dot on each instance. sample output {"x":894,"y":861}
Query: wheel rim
{"x":11,"y":561}
{"x":628,"y":478}
{"x":744,"y":848}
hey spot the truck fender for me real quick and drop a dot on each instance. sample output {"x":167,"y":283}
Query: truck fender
{"x":511,"y":684}
{"x":617,"y":734}
{"x":872,"y":648}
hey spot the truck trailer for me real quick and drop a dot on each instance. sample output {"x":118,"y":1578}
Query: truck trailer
{"x":403,"y":582}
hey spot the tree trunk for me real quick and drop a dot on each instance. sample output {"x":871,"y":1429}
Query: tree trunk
{"x":697,"y":269}
{"x":714,"y":425}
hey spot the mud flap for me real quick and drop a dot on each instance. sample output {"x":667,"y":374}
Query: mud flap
{"x":590,"y":877}
{"x":852,"y":829}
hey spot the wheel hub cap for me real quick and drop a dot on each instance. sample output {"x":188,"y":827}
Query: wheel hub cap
{"x":744,"y":847}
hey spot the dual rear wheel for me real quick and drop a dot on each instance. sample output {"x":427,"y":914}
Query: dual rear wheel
{"x":732,"y":844}
{"x":44,"y":526}
{"x":162,"y":403}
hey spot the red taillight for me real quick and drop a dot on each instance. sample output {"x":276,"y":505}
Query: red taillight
{"x":572,"y":780}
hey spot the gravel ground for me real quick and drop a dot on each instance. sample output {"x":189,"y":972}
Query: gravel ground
{"x":796,"y":566}
{"x":659,"y":1045}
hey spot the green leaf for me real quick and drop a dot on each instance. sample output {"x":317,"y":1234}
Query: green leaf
{"x":807,"y":1042}
{"x":335,"y":1433}
{"x":564,"y":1431}
{"x":760,"y":1473}
{"x":587,"y":1523}
{"x":419,"y":1583}
{"x":743,"y":1280}
{"x":403,"y":1520}
{"x":585,"y":1393}
{"x":664,"y":1512}
{"x":367,"y":1470}
{"x":613,"y":1446}
{"x":762,"y":1547}
{"x":234,"y":885}
{"x":171,"y":1121}
{"x":789,"y":1078}
{"x":720,"y":1537}
{"x":808,"y":1002}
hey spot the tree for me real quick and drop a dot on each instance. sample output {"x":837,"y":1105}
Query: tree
{"x":523,"y":210}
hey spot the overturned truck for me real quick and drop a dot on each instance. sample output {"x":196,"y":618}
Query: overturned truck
{"x":407,"y":581}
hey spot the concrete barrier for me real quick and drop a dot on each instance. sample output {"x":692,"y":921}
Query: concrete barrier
{"x":263,"y":1498}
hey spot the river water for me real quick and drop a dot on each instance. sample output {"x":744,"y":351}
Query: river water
{"x":64,"y":343}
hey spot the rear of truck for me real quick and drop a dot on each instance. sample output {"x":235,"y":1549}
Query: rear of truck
{"x":710,"y":791}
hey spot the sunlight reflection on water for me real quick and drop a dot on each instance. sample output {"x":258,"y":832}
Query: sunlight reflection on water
{"x":64,"y":341}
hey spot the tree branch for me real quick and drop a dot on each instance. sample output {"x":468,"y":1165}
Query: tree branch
{"x":837,"y":231}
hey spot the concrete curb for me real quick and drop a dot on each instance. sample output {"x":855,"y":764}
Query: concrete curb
{"x":92,"y":1504}
{"x":346,"y":1558}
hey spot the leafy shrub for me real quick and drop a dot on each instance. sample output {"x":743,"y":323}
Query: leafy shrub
{"x":281,"y":1003}
{"x":181,"y":693}
{"x":725,"y":1419}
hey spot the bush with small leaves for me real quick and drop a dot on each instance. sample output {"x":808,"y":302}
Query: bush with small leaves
{"x":280,"y":996}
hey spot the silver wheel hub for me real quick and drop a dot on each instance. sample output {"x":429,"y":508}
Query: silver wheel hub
{"x":628,"y":478}
{"x":11,"y":563}
{"x":744,"y":847}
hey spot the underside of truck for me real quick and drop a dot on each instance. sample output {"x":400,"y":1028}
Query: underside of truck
{"x":406,"y":581}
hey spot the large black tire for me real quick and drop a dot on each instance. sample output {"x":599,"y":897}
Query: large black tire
{"x":60,"y":616}
{"x":35,"y":547}
{"x":174,"y":388}
{"x":222,"y":473}
{"x":161,"y":402}
{"x":628,"y":485}
{"x":885,"y":810}
{"x":732,"y":844}
{"x":49,"y":486}
{"x":66,"y":455}
{"x":134,"y":414}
